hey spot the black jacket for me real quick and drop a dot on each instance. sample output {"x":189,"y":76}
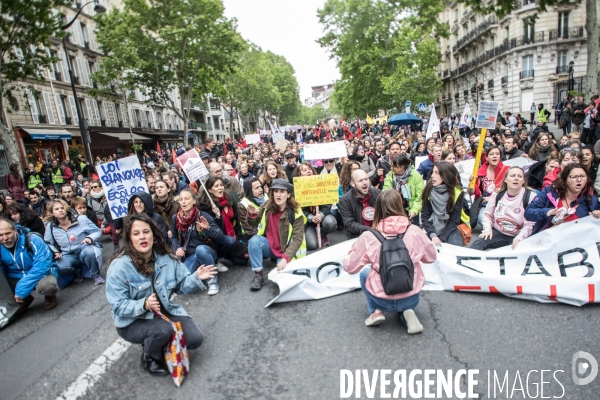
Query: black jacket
{"x":452,"y":223}
{"x":509,"y":156}
{"x":351,"y":210}
{"x":149,"y":207}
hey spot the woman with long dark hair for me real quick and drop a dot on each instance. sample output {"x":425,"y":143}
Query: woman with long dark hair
{"x":248,"y":208}
{"x":164,"y":203}
{"x":270,"y":172}
{"x":567,"y":199}
{"x":26,"y":217}
{"x":541,"y":148}
{"x":390,"y":220}
{"x":442,"y":210}
{"x":346,"y":176}
{"x":141,"y":203}
{"x":137,"y":290}
{"x":280,"y":232}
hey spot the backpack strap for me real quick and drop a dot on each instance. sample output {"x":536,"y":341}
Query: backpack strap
{"x":500,"y":195}
{"x":526,"y":197}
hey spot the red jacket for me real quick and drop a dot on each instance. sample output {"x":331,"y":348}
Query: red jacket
{"x":499,"y":174}
{"x":551,"y":177}
{"x":15,"y":184}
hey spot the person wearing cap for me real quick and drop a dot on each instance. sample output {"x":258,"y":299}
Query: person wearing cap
{"x":280,"y":232}
{"x":290,"y":159}
{"x":205,"y":157}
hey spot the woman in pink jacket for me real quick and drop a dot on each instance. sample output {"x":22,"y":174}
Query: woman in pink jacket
{"x":390,"y":219}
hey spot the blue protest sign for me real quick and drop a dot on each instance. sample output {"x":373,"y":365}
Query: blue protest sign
{"x":121,"y":179}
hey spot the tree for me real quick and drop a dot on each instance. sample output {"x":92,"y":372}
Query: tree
{"x":365,"y":38}
{"x":178,"y":50}
{"x":310,"y":115}
{"x":26,"y":27}
{"x":289,"y":105}
{"x":504,"y":7}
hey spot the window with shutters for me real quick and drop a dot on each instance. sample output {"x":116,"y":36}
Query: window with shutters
{"x":35,"y":108}
{"x":62,"y":109}
{"x":73,"y":108}
{"x":49,"y":110}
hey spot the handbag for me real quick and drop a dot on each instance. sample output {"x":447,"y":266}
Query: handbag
{"x":465,"y":231}
{"x":176,"y":356}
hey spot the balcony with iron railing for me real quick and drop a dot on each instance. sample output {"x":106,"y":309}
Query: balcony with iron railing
{"x":40,"y":118}
{"x":504,"y":80}
{"x":566,"y":33}
{"x":474,"y":33}
{"x":69,"y":121}
{"x":490,"y":84}
{"x":526,"y":74}
{"x":57,"y":76}
{"x":562,"y":69}
{"x":446,"y":73}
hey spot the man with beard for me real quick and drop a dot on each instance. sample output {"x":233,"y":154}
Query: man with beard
{"x":357,"y":207}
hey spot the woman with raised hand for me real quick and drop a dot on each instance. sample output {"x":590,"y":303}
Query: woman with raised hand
{"x":443,"y":205}
{"x":196,"y":236}
{"x":390,"y":220}
{"x":280,"y":233}
{"x":141,"y":279}
{"x":504,"y":220}
{"x":567,"y":199}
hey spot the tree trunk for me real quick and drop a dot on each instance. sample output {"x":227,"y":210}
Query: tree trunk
{"x":591,"y":28}
{"x":7,"y":139}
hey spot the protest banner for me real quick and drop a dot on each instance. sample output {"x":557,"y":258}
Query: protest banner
{"x":316,"y":190}
{"x":523,"y":162}
{"x":434,"y":123}
{"x":121,"y":179}
{"x":322,"y":151}
{"x":192,"y":165}
{"x":252,"y":139}
{"x":554,"y":266}
{"x":465,"y":169}
{"x":8,"y":305}
{"x":419,"y":160}
{"x":278,"y":136}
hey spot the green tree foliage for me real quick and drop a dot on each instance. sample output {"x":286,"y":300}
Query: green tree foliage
{"x":376,"y":57}
{"x":504,"y":7}
{"x":187,"y":45}
{"x":310,"y":115}
{"x":25,"y":28}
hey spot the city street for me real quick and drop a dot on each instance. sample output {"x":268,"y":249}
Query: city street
{"x":296,"y":350}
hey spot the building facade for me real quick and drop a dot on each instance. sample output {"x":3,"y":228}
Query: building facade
{"x":516,"y":60}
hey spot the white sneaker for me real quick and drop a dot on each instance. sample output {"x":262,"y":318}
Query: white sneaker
{"x":412,"y":322}
{"x":213,"y":289}
{"x":221,"y":267}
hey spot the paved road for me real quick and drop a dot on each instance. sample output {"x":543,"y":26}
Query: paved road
{"x":296,"y":350}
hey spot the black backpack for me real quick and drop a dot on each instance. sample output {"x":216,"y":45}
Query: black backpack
{"x":396,"y":268}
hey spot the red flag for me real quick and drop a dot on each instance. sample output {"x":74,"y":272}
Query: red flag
{"x":348,"y":135}
{"x":158,"y":147}
{"x":174,"y":156}
{"x":358,"y":130}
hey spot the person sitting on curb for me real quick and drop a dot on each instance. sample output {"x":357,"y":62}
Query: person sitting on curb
{"x":26,"y":262}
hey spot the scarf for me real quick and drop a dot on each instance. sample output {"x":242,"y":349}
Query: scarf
{"x":258,"y":200}
{"x":544,"y":149}
{"x":163,"y":205}
{"x":439,"y":200}
{"x":359,"y":158}
{"x":183,"y":222}
{"x":227,"y":217}
{"x":97,"y":195}
{"x":401,"y":183}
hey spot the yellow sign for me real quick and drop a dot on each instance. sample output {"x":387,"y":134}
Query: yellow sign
{"x":316,"y":190}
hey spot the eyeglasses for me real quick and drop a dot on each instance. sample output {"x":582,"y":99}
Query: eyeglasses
{"x":327,"y":161}
{"x":95,"y":187}
{"x":577,"y":177}
{"x":361,"y":149}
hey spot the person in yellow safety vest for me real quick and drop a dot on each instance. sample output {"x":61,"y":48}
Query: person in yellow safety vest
{"x":280,"y":232}
{"x":56,"y":175}
{"x":542,"y":114}
{"x":32,"y":177}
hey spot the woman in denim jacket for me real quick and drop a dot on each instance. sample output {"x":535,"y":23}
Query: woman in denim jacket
{"x":141,"y":279}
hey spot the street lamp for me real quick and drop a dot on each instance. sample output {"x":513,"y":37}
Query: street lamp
{"x":83,"y":125}
{"x":571,"y":84}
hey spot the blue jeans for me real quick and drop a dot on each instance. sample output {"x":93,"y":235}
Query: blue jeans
{"x":259,"y":248}
{"x":81,"y":261}
{"x":376,"y":303}
{"x":224,"y":246}
{"x":204,"y":255}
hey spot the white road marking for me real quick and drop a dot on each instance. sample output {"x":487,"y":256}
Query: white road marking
{"x":94,"y":372}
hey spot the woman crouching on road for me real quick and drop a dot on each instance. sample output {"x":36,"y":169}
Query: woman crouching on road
{"x":141,"y":278}
{"x":390,"y":220}
{"x":280,"y":232}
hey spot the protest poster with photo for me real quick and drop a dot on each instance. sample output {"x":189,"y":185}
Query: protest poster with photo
{"x":487,"y":114}
{"x":321,"y":151}
{"x":192,"y":165}
{"x":316,"y":190}
{"x":252,"y":139}
{"x":121,"y":179}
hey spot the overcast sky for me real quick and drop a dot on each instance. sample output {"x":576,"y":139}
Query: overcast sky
{"x":288,"y":28}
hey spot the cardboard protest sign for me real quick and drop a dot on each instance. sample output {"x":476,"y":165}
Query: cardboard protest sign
{"x":278,"y":136}
{"x":192,"y":165}
{"x":419,"y":160}
{"x":316,"y":190}
{"x":8,"y":305}
{"x":487,"y":114}
{"x":121,"y":179}
{"x":555,"y":265}
{"x":322,"y":151}
{"x":252,"y":139}
{"x":434,"y":123}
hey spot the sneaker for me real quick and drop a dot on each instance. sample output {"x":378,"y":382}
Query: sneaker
{"x":257,"y":282}
{"x":213,"y":288}
{"x":221,"y":267}
{"x":375,"y":319}
{"x":412,"y":322}
{"x":98,"y":280}
{"x":77,"y":279}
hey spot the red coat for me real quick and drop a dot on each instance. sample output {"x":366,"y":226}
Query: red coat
{"x":551,"y":177}
{"x":15,"y":184}
{"x":499,"y":174}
